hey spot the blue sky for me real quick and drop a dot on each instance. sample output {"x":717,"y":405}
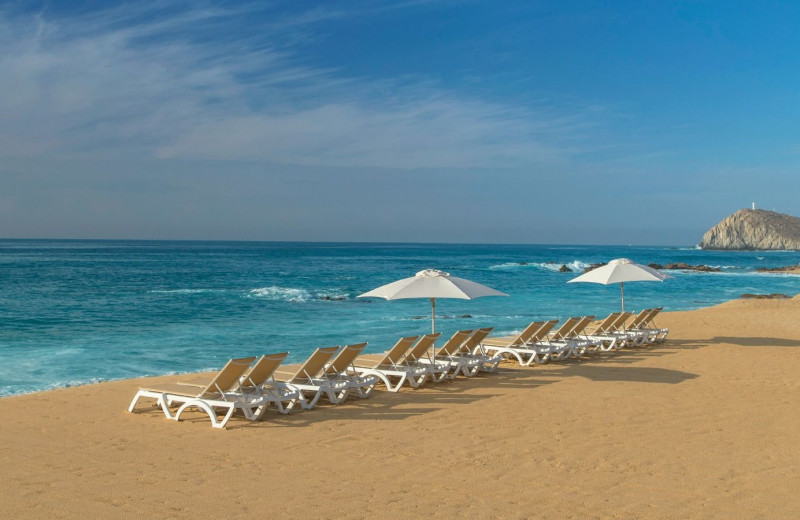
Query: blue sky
{"x":453,"y":121}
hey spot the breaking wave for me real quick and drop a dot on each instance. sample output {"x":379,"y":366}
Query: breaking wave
{"x":575,"y":266}
{"x":290,"y":294}
{"x":281,"y":293}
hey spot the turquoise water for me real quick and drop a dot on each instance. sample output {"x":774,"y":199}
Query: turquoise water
{"x":74,"y":312}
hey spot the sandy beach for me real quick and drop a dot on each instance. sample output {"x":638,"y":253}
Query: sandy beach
{"x":702,"y":426}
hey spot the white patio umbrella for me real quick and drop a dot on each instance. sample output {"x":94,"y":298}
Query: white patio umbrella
{"x":620,"y":271}
{"x":432,"y":284}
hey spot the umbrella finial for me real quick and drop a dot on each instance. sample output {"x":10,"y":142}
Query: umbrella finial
{"x":620,"y":261}
{"x":432,"y":272}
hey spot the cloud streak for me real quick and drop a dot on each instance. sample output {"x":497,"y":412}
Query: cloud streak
{"x":165,"y":81}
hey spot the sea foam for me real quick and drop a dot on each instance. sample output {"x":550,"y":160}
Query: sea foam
{"x":288,"y":294}
{"x":575,"y":266}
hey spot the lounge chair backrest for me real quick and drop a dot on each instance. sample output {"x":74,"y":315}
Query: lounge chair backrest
{"x":653,"y":314}
{"x":619,"y":325}
{"x":565,"y":330}
{"x":453,"y":344}
{"x":581,"y":326}
{"x":639,"y":319}
{"x":262,"y":371}
{"x":476,"y":339}
{"x":526,"y":334}
{"x":344,"y":359}
{"x":314,"y":364}
{"x":543,"y":331}
{"x":227,"y":378}
{"x":395,"y":354}
{"x":421,"y":348}
{"x":606,"y":324}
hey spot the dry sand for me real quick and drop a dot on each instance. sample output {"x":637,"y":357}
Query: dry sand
{"x":703,"y":426}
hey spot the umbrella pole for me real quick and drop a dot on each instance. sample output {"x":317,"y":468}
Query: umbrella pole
{"x":433,"y":315}
{"x":622,"y":291}
{"x":433,"y":330}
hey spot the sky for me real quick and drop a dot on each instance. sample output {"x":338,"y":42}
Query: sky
{"x":551,"y":122}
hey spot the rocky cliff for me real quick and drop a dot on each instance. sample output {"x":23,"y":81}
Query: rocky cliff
{"x":754,"y":229}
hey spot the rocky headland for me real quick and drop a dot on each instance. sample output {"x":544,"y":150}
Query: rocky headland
{"x":757,"y":229}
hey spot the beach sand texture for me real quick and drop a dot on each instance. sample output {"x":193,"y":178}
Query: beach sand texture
{"x":703,"y":426}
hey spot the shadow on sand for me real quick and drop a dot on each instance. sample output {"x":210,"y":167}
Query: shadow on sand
{"x":758,"y":342}
{"x":385,"y":406}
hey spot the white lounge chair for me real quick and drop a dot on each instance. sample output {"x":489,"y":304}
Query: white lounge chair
{"x":568,"y":341}
{"x":417,"y":357}
{"x":472,"y":348}
{"x":341,"y":368}
{"x":644,"y":322}
{"x":220,"y":393}
{"x":526,"y":348}
{"x":391,"y":366}
{"x":631,"y":338}
{"x":310,"y":380}
{"x":578,"y":345}
{"x":449,"y":356}
{"x":602,"y":333}
{"x":258,"y":388}
{"x":557,"y":340}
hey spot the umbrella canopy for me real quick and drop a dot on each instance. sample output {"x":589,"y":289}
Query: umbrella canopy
{"x":432,"y":284}
{"x":620,"y":271}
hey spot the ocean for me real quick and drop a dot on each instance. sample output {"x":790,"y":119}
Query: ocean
{"x":81,"y":311}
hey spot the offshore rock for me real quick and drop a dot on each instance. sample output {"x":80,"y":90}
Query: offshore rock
{"x":592,"y":267}
{"x":683,"y":266}
{"x":758,"y":229}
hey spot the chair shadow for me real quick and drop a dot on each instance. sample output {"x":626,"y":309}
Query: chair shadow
{"x":637,"y":375}
{"x":433,"y":397}
{"x":758,"y":342}
{"x":607,"y":374}
{"x":380,"y":404}
{"x":589,"y":368}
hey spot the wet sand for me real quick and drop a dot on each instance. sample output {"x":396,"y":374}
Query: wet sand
{"x":705,"y":425}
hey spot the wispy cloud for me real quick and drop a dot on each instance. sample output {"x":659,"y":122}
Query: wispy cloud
{"x":171,"y":81}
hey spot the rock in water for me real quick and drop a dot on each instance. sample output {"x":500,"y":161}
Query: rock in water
{"x":754,"y":229}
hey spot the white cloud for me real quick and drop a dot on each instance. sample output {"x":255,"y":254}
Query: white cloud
{"x":171,"y":82}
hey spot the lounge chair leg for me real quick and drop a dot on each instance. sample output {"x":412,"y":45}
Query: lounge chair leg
{"x":416,"y":382}
{"x":386,"y":381}
{"x":215,"y":422}
{"x":135,"y":400}
{"x":340,"y":397}
{"x":161,"y":401}
{"x":365,"y":391}
{"x":389,"y":388}
{"x":311,"y":404}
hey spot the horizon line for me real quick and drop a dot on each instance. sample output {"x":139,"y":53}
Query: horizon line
{"x":375,"y":242}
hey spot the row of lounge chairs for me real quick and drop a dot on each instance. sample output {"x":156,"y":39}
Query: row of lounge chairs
{"x":538,"y":343}
{"x":337,"y":373}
